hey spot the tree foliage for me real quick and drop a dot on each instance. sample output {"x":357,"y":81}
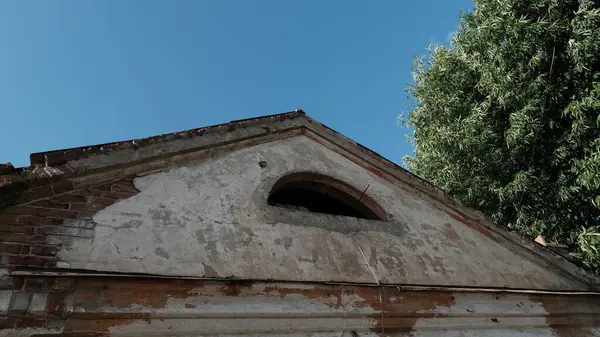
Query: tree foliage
{"x":507,"y":118}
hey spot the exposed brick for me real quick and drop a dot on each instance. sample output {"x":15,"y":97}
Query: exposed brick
{"x":24,"y":219}
{"x":107,"y":194}
{"x":79,"y":223}
{"x":30,"y":322}
{"x":40,"y":192}
{"x":111,"y":194}
{"x":11,"y":282}
{"x":64,"y":284}
{"x":89,"y":192}
{"x":124,"y":186}
{"x":43,"y":250}
{"x":10,"y":248}
{"x":6,"y":236}
{"x":9,"y":218}
{"x":19,"y":237}
{"x":19,"y":210}
{"x":57,"y":324}
{"x":39,"y":284}
{"x":56,"y":303}
{"x":70,"y":197}
{"x":22,"y":229}
{"x":125,"y":195}
{"x":8,"y":322}
{"x":101,"y":201}
{"x":62,"y":187}
{"x":64,"y":168}
{"x":49,"y":284}
{"x":15,"y":181}
{"x":87,"y":207}
{"x":5,"y":227}
{"x":85,"y":215}
{"x":103,"y":187}
{"x":50,"y":203}
{"x":52,"y":178}
{"x":37,"y":221}
{"x":31,"y":260}
{"x":59,"y":213}
{"x":47,"y":230}
{"x":70,"y":231}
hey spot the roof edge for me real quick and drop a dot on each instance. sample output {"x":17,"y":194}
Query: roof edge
{"x":61,"y":156}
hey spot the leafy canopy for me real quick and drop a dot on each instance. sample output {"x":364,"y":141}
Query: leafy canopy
{"x":507,"y":118}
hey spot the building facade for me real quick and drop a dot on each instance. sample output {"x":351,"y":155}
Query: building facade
{"x":271,"y":226}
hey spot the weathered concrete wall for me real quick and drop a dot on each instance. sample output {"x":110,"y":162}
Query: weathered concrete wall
{"x":123,"y":306}
{"x":211,"y":219}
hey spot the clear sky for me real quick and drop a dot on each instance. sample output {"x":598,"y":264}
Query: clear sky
{"x":75,"y":73}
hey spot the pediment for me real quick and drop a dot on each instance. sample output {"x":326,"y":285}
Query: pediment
{"x":203,"y":211}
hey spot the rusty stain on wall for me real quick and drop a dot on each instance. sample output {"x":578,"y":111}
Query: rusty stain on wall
{"x":115,"y":306}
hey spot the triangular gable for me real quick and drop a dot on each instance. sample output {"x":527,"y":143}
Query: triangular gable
{"x":440,"y":224}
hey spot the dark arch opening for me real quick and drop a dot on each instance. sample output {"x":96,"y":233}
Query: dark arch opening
{"x":321,"y":194}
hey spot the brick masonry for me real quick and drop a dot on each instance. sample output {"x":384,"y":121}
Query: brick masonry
{"x":36,"y":302}
{"x":31,"y":234}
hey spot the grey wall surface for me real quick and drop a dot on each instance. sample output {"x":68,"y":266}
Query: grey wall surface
{"x":211,"y":219}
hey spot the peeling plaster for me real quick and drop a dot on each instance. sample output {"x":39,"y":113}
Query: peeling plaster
{"x":210,"y":218}
{"x":175,"y":307}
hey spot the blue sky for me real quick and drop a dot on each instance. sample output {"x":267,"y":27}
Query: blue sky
{"x":75,"y":73}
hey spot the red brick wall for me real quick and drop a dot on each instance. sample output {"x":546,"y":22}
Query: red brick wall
{"x":32,"y":233}
{"x":36,"y":302}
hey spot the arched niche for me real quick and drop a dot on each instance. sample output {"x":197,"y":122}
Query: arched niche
{"x":313,"y":192}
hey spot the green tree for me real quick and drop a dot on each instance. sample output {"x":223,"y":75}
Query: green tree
{"x":507,"y":118}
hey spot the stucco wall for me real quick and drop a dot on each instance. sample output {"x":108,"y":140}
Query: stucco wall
{"x":210,"y":218}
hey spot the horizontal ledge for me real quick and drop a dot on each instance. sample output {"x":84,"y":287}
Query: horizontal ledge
{"x":398,"y":286}
{"x":313,"y":315}
{"x":315,"y":327}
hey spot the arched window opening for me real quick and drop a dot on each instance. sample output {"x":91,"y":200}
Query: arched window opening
{"x":321,"y":194}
